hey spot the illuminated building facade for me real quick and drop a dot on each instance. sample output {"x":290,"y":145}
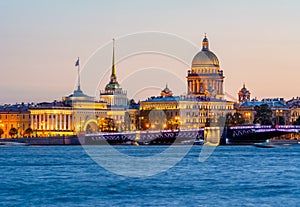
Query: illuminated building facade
{"x":205,"y":78}
{"x":14,"y":117}
{"x":294,"y":105}
{"x":280,"y":110}
{"x":74,"y":114}
{"x":181,"y":112}
{"x":52,"y":119}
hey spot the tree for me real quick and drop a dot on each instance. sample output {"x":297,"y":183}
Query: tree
{"x":107,"y":125}
{"x":263,"y":115}
{"x":235,"y":119}
{"x":28,"y":131}
{"x":297,"y":122}
{"x":1,"y":132}
{"x":12,"y":132}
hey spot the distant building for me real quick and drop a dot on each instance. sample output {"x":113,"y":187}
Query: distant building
{"x":16,"y":117}
{"x":278,"y":106}
{"x":243,"y":95}
{"x":294,"y":105}
{"x":166,"y":92}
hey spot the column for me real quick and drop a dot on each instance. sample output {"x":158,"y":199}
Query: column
{"x":43,"y":123}
{"x":69,"y":122}
{"x":56,"y":122}
{"x":39,"y":121}
{"x":65,"y":121}
{"x":221,"y":86}
{"x":48,"y":121}
{"x":36,"y":122}
{"x":60,"y":121}
{"x":31,"y":123}
{"x":214,"y":84}
{"x":194,"y":86}
{"x":52,"y":122}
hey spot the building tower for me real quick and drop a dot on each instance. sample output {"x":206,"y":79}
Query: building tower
{"x":205,"y":78}
{"x":113,"y":94}
{"x":166,"y":92}
{"x":244,"y":95}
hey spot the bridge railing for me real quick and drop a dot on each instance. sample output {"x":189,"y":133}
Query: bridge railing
{"x":266,"y":127}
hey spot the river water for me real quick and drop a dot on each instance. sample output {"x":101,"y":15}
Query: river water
{"x":231,"y":176}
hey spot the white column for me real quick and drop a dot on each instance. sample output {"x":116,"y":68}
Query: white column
{"x":56,"y":122}
{"x":48,"y":121}
{"x":31,"y":124}
{"x":69,"y":122}
{"x":43,"y":123}
{"x":39,"y":121}
{"x":36,"y":122}
{"x":52,"y":122}
{"x":65,"y":121}
{"x":60,"y":121}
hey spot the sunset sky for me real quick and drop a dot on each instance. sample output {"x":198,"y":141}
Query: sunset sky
{"x":257,"y":43}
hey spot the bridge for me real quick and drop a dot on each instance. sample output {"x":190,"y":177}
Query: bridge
{"x":252,"y":134}
{"x":213,"y":135}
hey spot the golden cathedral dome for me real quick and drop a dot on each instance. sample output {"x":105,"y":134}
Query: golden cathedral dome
{"x":205,"y":58}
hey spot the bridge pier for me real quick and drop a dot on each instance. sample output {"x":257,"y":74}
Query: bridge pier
{"x":212,"y":136}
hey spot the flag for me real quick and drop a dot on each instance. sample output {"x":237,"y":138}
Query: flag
{"x":77,"y":62}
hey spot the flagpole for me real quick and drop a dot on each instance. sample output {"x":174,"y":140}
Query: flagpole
{"x":78,"y":74}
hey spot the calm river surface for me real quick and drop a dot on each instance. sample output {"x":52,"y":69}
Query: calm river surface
{"x":231,"y":176}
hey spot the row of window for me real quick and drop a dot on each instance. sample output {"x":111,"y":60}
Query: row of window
{"x":208,"y":70}
{"x":13,"y":116}
{"x":211,"y":107}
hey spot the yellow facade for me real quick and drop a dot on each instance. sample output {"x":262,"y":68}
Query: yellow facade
{"x":181,"y":113}
{"x":295,"y":114}
{"x":56,"y":121}
{"x":20,"y":120}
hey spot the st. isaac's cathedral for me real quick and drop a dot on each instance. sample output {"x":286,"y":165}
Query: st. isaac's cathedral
{"x":204,"y":103}
{"x":205,"y":79}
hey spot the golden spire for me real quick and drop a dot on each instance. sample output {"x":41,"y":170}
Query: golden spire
{"x":113,"y":76}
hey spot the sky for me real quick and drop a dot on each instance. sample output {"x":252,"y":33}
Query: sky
{"x":257,"y":43}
